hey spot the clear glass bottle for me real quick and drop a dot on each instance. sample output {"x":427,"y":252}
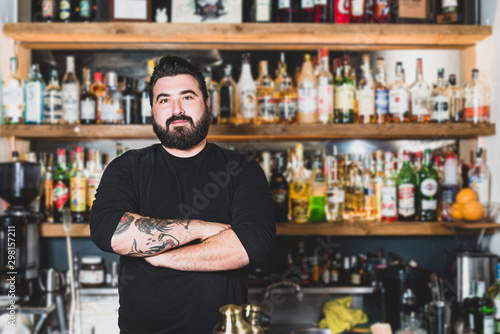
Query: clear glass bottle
{"x":112,"y":108}
{"x":70,"y":93}
{"x":457,"y":100}
{"x":381,"y":95}
{"x":318,"y":188}
{"x":369,"y":187}
{"x":440,"y":100}
{"x":378,"y":183}
{"x":98,"y":88}
{"x":357,"y":188}
{"x":337,"y":84}
{"x":266,"y":103}
{"x":450,"y":186}
{"x":406,"y":183}
{"x":88,"y":100}
{"x":13,"y":96}
{"x":52,"y":113}
{"x":389,"y":190}
{"x":480,"y":179}
{"x":228,"y":97}
{"x":325,"y":89}
{"x":286,"y":96}
{"x":213,"y":96}
{"x":346,"y":93}
{"x":366,"y":93}
{"x":335,"y":193}
{"x":307,"y":93}
{"x":420,"y":97}
{"x":477,"y":100}
{"x":35,"y":87}
{"x":247,"y":92}
{"x":299,"y":188}
{"x":399,"y":97}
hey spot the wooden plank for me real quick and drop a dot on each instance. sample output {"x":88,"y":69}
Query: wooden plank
{"x":471,"y":226}
{"x":267,"y":132}
{"x":246,"y":35}
{"x":56,"y":230}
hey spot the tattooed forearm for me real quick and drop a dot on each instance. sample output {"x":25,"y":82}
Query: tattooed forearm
{"x":148,"y":225}
{"x":164,"y":242}
{"x":124,"y":224}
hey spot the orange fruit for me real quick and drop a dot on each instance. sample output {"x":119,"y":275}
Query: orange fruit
{"x":456,"y":211}
{"x":473,"y":211}
{"x":466,"y":195}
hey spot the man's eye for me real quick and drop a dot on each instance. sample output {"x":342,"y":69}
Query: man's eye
{"x":188,"y":97}
{"x":163,"y":100}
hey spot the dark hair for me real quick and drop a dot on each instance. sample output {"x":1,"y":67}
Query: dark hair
{"x":170,"y":66}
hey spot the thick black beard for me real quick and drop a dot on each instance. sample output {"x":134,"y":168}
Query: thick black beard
{"x":182,"y":137}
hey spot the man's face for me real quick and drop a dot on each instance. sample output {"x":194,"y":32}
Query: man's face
{"x":180,"y":116}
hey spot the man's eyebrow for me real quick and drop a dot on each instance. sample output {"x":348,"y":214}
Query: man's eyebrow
{"x":162,"y":95}
{"x":189,"y":91}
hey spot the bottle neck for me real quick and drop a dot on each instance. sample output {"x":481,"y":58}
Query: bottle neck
{"x":13,"y":66}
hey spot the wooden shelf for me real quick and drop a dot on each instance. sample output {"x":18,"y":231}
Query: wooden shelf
{"x":252,"y":132}
{"x":56,"y":230}
{"x":471,"y":226}
{"x":276,"y":36}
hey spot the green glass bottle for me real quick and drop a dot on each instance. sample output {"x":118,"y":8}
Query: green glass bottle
{"x":346,"y":94}
{"x":61,"y":186}
{"x":406,"y":182}
{"x":427,"y":190}
{"x":482,"y":310}
{"x":317,"y":187}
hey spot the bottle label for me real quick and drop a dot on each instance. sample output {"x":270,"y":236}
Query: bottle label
{"x":398,"y":102}
{"x":488,"y":324}
{"x":34,"y":102}
{"x":336,"y":195}
{"x":53,"y":107}
{"x":60,"y":195}
{"x":92,"y":185}
{"x":106,"y":112}
{"x":308,"y":96}
{"x":47,"y":8}
{"x":288,"y":107}
{"x":247,"y":103}
{"x":88,"y":109}
{"x":497,"y":312}
{"x":381,"y":102}
{"x":475,"y":111}
{"x":334,"y":276}
{"x":366,"y":102}
{"x":429,"y":205}
{"x":382,"y":8}
{"x":284,"y":4}
{"x":263,"y":10}
{"x":481,"y":187}
{"x":307,"y":4}
{"x":450,"y":3}
{"x":13,"y":101}
{"x":85,"y":8}
{"x":440,"y":106}
{"x":145,"y":107}
{"x":429,"y":187}
{"x":70,"y":102}
{"x":266,"y":107}
{"x":279,"y":195}
{"x":64,"y":9}
{"x":325,"y":97}
{"x":91,"y":276}
{"x":389,"y":201}
{"x":300,"y":208}
{"x":342,"y":7}
{"x":420,"y":102}
{"x":357,"y":7}
{"x":78,"y":195}
{"x":346,"y":97}
{"x":406,"y":202}
{"x":321,"y":2}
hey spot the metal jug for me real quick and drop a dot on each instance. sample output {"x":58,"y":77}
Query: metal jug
{"x":251,"y":313}
{"x":232,"y":321}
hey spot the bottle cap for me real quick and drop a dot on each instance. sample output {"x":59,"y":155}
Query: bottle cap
{"x":91,"y":259}
{"x":323,"y":52}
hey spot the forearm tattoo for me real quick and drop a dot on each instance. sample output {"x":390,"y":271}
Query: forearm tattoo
{"x":148,"y":226}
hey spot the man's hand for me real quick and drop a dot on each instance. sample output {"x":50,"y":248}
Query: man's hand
{"x":208,"y":229}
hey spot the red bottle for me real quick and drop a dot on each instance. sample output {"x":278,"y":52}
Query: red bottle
{"x":382,"y":11}
{"x":287,"y":11}
{"x":358,"y":14}
{"x":307,"y":11}
{"x":342,"y":11}
{"x":324,"y":11}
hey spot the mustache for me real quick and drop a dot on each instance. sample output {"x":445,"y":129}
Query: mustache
{"x":179,"y":118}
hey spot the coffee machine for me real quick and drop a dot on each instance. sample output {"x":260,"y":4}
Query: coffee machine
{"x":20,"y":185}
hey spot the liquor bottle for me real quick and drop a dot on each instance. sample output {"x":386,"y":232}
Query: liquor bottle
{"x":86,"y":10}
{"x":35,"y":88}
{"x":325,"y":89}
{"x":13,"y":96}
{"x":357,"y":188}
{"x":70,"y":93}
{"x":112,"y":108}
{"x":494,"y":292}
{"x":279,"y":188}
{"x":78,"y":189}
{"x":480,"y":179}
{"x":342,"y":11}
{"x":119,"y":149}
{"x":94,"y":176}
{"x":286,"y":96}
{"x":265,"y":103}
{"x":355,"y":277}
{"x":370,"y":10}
{"x":420,"y":97}
{"x":317,"y":188}
{"x":399,"y":98}
{"x":366,"y":93}
{"x":228,"y":97}
{"x":346,"y":180}
{"x":440,"y":100}
{"x":307,"y":13}
{"x":287,"y":11}
{"x":389,"y":191}
{"x":129,"y":102}
{"x":369,"y":188}
{"x":323,"y":11}
{"x":61,"y":186}
{"x":358,"y":14}
{"x":382,"y":9}
{"x":345,"y":94}
{"x":299,"y":188}
{"x":65,"y":11}
{"x":247,"y":91}
{"x":98,"y":88}
{"x":381,"y":95}
{"x":345,"y":273}
{"x":88,"y":100}
{"x":49,"y":10}
{"x":145,"y":103}
{"x":52,"y":98}
{"x":307,"y":93}
{"x":213,"y":95}
{"x":337,"y":82}
{"x":450,"y":186}
{"x":48,"y":189}
{"x":481,"y":310}
{"x":262,"y":11}
{"x":449,"y":6}
{"x":335,"y":193}
{"x":427,"y":190}
{"x":457,"y":100}
{"x":477,"y":100}
{"x":407,"y":181}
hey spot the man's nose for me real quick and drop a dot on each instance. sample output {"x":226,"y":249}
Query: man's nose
{"x":177,"y":108}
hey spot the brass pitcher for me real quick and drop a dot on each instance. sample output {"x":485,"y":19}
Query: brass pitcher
{"x":251,"y":313}
{"x":232,"y":321}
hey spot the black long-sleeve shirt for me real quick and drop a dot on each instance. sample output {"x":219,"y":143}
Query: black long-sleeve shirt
{"x":216,"y":185}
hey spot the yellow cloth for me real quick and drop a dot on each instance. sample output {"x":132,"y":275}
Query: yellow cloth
{"x":339,"y":317}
